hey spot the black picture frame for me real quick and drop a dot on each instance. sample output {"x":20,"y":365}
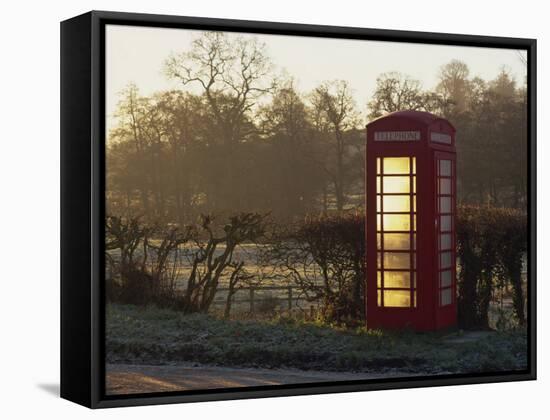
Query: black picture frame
{"x":83,"y":206}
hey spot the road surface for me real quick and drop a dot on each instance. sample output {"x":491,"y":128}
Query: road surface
{"x":130,"y":379}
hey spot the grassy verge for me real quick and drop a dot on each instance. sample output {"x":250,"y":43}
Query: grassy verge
{"x":159,"y":336}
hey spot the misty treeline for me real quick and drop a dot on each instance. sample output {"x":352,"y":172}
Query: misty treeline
{"x":237,"y":137}
{"x":233,"y":139}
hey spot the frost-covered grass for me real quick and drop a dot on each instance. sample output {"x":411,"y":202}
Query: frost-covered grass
{"x":162,"y":336}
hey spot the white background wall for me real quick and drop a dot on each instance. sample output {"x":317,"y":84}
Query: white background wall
{"x":29,"y":208}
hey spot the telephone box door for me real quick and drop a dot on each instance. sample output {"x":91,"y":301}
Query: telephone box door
{"x":445,"y":258}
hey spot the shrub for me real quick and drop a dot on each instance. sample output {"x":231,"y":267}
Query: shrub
{"x":324,"y":256}
{"x":511,"y":251}
{"x":141,"y":259}
{"x":144,"y":259}
{"x":490,"y":245}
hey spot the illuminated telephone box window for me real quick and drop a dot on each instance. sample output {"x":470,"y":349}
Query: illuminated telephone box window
{"x":396,"y":237}
{"x":410,"y":235}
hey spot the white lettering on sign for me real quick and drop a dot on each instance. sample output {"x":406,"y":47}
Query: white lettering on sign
{"x":397,"y":135}
{"x":440,"y":138}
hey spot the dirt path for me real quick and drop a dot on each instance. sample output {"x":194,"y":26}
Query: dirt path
{"x":129,"y":379}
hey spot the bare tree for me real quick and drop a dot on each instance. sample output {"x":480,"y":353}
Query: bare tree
{"x":335,"y":114}
{"x":162,"y":254}
{"x":454,"y":87}
{"x":131,"y":115}
{"x":215,"y":255}
{"x":125,"y":235}
{"x":184,"y":127}
{"x":232,"y":73}
{"x":294,"y":150}
{"x":238,"y":277}
{"x":396,"y":92}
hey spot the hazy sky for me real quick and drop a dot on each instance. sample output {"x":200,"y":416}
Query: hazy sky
{"x":136,"y":54}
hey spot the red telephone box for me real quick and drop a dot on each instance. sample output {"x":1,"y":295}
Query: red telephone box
{"x":410,"y":222}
